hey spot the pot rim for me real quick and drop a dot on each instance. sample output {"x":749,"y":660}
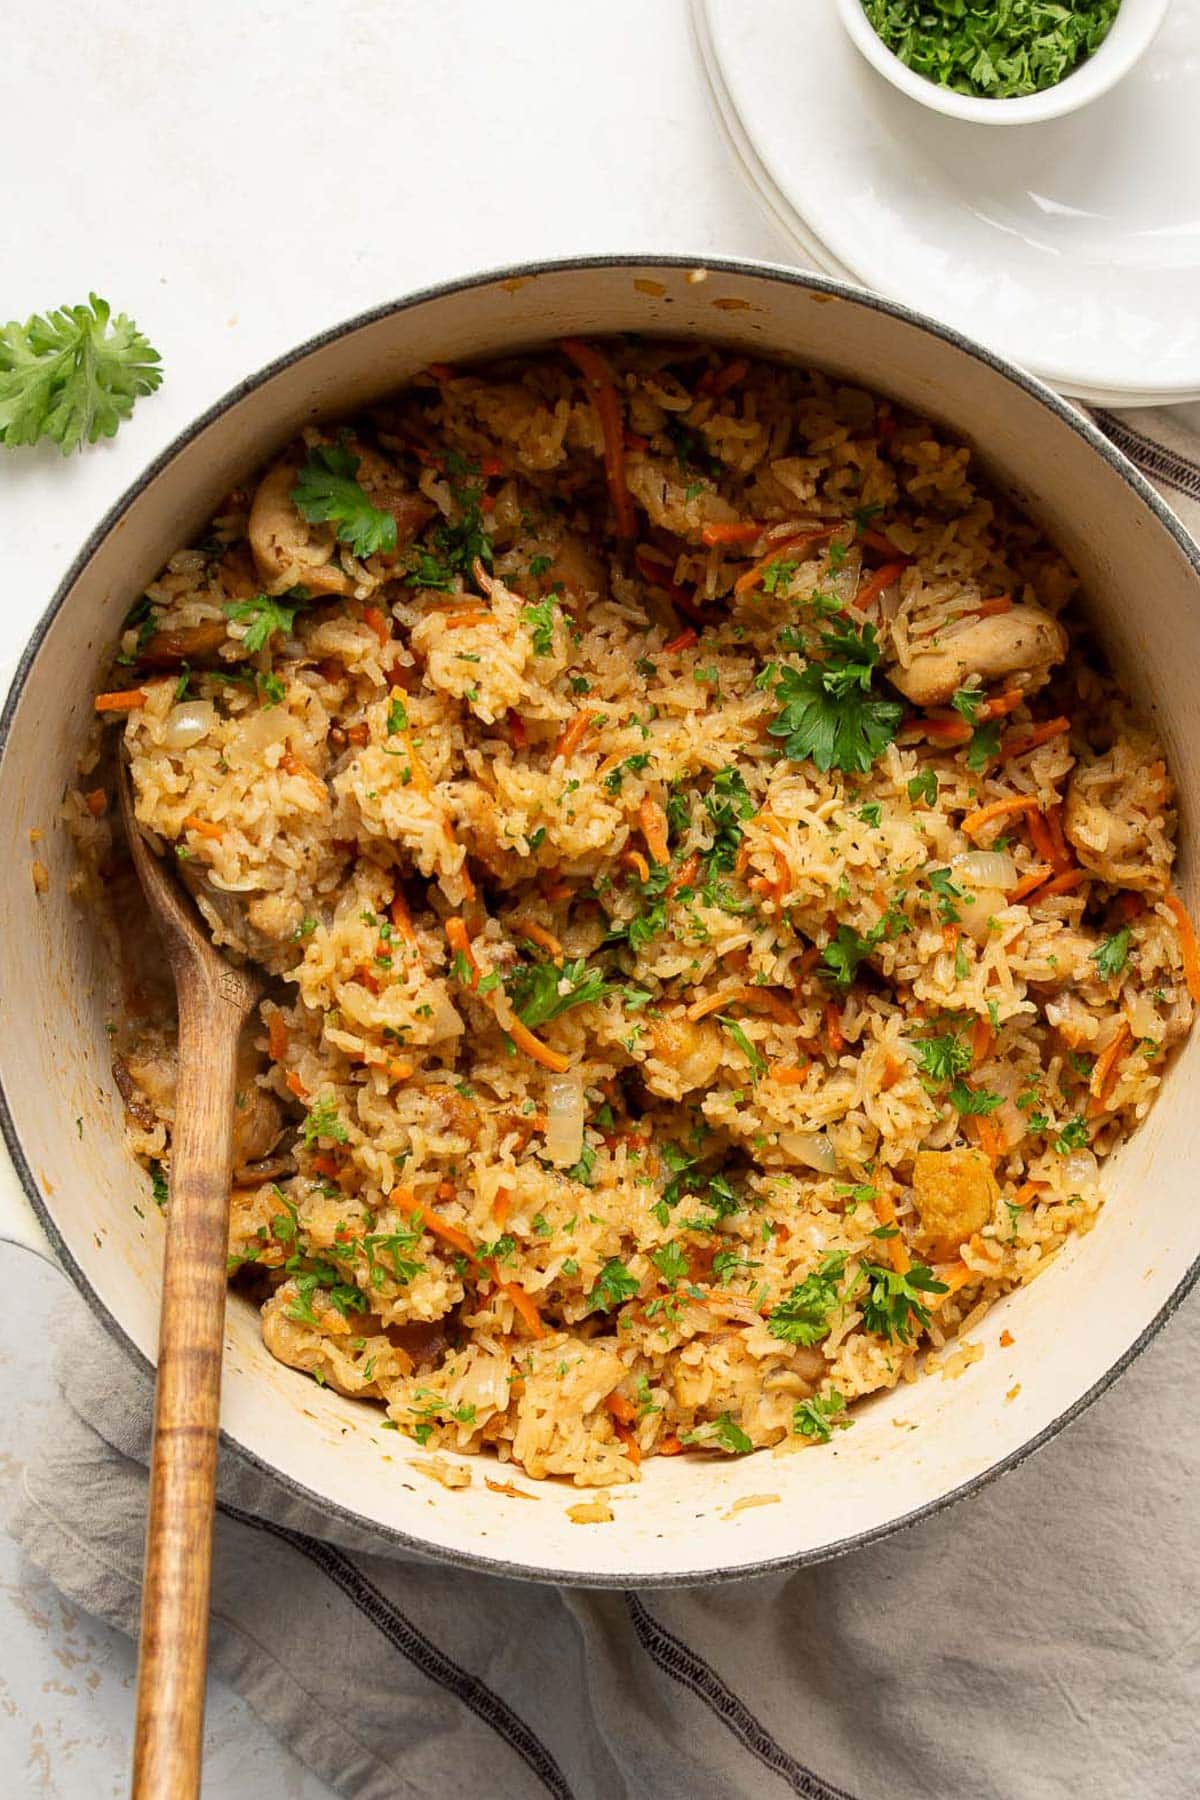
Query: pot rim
{"x":395,"y":1539}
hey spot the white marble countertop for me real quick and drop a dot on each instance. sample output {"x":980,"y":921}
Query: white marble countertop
{"x":236,"y":176}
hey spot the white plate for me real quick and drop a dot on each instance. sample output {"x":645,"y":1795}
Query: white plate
{"x":1072,"y":247}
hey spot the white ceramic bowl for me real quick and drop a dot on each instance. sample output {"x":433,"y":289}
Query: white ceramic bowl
{"x":1131,"y":33}
{"x":1072,"y":1330}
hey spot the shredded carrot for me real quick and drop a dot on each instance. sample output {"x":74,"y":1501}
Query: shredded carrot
{"x":277,"y":1038}
{"x":1002,"y":705}
{"x":885,"y":1212}
{"x":501,"y":1205}
{"x":516,"y":730}
{"x":1053,"y":816}
{"x":669,"y":1446}
{"x":833,"y":1027}
{"x":621,"y":1408}
{"x":1030,"y":883}
{"x":629,"y":1443}
{"x":506,"y":1487}
{"x":96,"y":802}
{"x":684,"y":641}
{"x":459,"y":940}
{"x":684,"y":876}
{"x":359,"y":734}
{"x":997,"y":809}
{"x":396,"y":1070}
{"x":378,"y":622}
{"x":401,"y":917}
{"x":653,"y":567}
{"x":292,"y":764}
{"x":760,"y":997}
{"x":524,"y":1039}
{"x":878,"y":583}
{"x":653,"y":821}
{"x":491,"y":466}
{"x":808,"y":962}
{"x":1016,"y":744}
{"x":1187,"y":946}
{"x":127,"y":700}
{"x":879,"y":540}
{"x":988,"y":609}
{"x":554,"y":886}
{"x":326,"y":1163}
{"x":537,"y":934}
{"x":791,"y":1075}
{"x":893,"y":1068}
{"x":1104,"y":1070}
{"x":1007,"y":1340}
{"x":946,"y":731}
{"x":434,"y":1222}
{"x":720,"y":381}
{"x":743,"y":531}
{"x":573,"y":734}
{"x":420,"y":780}
{"x":990,"y":1140}
{"x":203,"y":827}
{"x":953,"y":1276}
{"x":603,"y":393}
{"x":949,"y":936}
{"x":1040,"y":838}
{"x":634,"y":860}
{"x":1065,"y":883}
{"x":294,"y":1085}
{"x":1130,"y":906}
{"x":1027,"y":1193}
{"x":783,"y":873}
{"x":792,"y":546}
{"x":981,"y":1038}
{"x":456,"y":618}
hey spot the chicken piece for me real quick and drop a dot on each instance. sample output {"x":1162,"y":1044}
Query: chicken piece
{"x":955,"y":1194}
{"x":190,"y":643}
{"x":1117,"y":815}
{"x":1068,"y":957}
{"x":326,"y":1348}
{"x":146,"y":1077}
{"x":288,"y":551}
{"x":683,"y":1054}
{"x":1019,"y":647}
{"x":252,"y":1211}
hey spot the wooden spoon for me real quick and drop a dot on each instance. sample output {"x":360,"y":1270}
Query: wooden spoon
{"x":214,"y":1000}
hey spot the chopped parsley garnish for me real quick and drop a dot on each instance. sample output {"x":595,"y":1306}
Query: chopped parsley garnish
{"x":1112,"y":955}
{"x":323,"y":1122}
{"x":984,"y":745}
{"x":829,"y":711}
{"x":671,"y":1261}
{"x":543,"y":991}
{"x":947,"y":891}
{"x":871,"y":815}
{"x":843,"y":953}
{"x":538,"y":565}
{"x":968,"y":701}
{"x":974,"y":1102}
{"x":158,"y":1183}
{"x":731,"y":1437}
{"x":266,"y":615}
{"x":614,"y":1285}
{"x":582,"y":1170}
{"x":820,"y":1417}
{"x":806,"y":1314}
{"x":943,"y":1058}
{"x":538,"y":620}
{"x":397,"y":716}
{"x":632,"y":765}
{"x":1073,"y":1136}
{"x":924,"y":787}
{"x":893,"y":1303}
{"x":754,"y":1056}
{"x":453,"y":548}
{"x":326,"y":493}
{"x":993,"y":49}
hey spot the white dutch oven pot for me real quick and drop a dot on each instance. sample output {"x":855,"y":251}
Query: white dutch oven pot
{"x":1074,"y":1329}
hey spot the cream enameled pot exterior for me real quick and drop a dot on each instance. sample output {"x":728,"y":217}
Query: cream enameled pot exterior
{"x":1072,"y":1329}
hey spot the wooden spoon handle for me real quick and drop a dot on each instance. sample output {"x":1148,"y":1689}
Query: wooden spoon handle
{"x":183,"y":1462}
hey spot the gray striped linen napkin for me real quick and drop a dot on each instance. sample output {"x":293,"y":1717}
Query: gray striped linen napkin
{"x":1034,"y":1642}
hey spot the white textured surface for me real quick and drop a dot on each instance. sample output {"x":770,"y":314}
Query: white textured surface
{"x":238,"y":176}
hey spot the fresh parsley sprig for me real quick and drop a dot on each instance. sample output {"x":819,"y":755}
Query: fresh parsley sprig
{"x":72,"y":375}
{"x":326,"y":493}
{"x":829,"y":710}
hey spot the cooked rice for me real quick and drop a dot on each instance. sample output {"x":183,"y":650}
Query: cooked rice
{"x":578,"y":1270}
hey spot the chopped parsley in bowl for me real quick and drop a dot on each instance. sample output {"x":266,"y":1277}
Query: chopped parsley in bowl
{"x":997,"y":49}
{"x":1002,"y":62}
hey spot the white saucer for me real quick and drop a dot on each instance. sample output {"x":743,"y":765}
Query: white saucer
{"x":1072,"y":247}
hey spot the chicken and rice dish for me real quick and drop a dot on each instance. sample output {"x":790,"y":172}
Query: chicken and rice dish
{"x":717,"y":903}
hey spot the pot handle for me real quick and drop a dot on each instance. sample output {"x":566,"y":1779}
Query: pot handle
{"x":19,"y":1224}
